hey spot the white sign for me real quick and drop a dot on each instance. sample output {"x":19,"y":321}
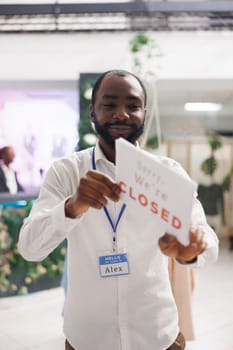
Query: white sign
{"x":162,"y":194}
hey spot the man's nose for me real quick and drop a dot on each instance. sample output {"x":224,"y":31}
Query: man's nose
{"x":121,"y":114}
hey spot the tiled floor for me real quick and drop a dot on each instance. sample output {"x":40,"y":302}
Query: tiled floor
{"x":213,"y":304}
{"x":34,"y":322}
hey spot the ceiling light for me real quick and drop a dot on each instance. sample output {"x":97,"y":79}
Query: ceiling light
{"x":202,"y":107}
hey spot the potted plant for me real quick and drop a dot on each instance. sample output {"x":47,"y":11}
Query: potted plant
{"x":211,"y":195}
{"x":18,"y":276}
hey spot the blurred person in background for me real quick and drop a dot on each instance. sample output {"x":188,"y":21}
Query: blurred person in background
{"x":8,"y":177}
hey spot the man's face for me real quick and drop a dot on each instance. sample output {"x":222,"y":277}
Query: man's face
{"x":119,"y":110}
{"x":8,"y":155}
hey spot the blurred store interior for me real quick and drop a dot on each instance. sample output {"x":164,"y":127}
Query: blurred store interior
{"x":183,"y":51}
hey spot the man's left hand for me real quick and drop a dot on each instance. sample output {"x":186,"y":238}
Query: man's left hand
{"x":171,"y":247}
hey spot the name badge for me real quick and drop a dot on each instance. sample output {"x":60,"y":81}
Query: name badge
{"x":114,"y":265}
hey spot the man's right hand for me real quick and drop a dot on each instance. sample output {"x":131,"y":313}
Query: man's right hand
{"x":94,"y":190}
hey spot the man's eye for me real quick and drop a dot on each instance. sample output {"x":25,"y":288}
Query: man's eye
{"x":109,"y":105}
{"x":134,"y":107}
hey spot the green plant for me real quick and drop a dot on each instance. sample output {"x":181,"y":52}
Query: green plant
{"x":146,"y":56}
{"x":87,"y":135}
{"x":227,"y":181}
{"x":152,"y":142}
{"x":5,"y":269}
{"x":17,"y":276}
{"x":144,"y":50}
{"x":209,"y":165}
{"x":214,"y":142}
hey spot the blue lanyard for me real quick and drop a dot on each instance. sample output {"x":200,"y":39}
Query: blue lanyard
{"x":114,"y":227}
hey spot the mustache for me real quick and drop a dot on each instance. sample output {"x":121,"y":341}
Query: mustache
{"x":119,"y":123}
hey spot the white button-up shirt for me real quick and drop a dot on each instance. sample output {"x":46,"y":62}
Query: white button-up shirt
{"x":10,"y":179}
{"x":129,"y":312}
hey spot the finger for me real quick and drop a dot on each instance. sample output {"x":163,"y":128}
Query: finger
{"x":100,"y":177}
{"x":94,"y":202}
{"x":195,"y":234}
{"x":104,"y":184}
{"x":193,"y":226}
{"x":199,"y":245}
{"x":91,"y":197}
{"x":102,"y":190}
{"x":92,"y":188}
{"x":92,"y":193}
{"x":167,"y":238}
{"x":168,"y":242}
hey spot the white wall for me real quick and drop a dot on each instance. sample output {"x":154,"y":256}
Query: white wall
{"x":61,"y":56}
{"x":186,"y":55}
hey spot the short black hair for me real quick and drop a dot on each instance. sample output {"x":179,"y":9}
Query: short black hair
{"x":120,"y":73}
{"x":3,"y":151}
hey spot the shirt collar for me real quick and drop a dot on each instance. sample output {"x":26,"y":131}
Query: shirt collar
{"x":99,"y":155}
{"x":6,"y":169}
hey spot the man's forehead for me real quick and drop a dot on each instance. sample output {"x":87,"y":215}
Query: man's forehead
{"x":113,"y":81}
{"x":113,"y":77}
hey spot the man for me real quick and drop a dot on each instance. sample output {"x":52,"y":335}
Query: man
{"x":8,"y":179}
{"x":80,"y":201}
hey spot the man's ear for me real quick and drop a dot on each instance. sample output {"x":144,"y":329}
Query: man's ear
{"x":92,"y":112}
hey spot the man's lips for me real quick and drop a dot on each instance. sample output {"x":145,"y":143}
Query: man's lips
{"x":120,"y":129}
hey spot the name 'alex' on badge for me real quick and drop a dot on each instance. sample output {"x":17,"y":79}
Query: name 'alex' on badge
{"x":114,"y":269}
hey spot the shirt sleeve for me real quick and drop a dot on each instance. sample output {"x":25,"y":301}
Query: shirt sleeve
{"x":210,"y":254}
{"x":47,"y":226}
{"x":198,"y":219}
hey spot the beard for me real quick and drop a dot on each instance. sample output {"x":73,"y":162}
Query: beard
{"x":102,"y":130}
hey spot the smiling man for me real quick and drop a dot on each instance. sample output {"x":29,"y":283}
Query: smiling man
{"x":119,"y":115}
{"x":119,"y":295}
